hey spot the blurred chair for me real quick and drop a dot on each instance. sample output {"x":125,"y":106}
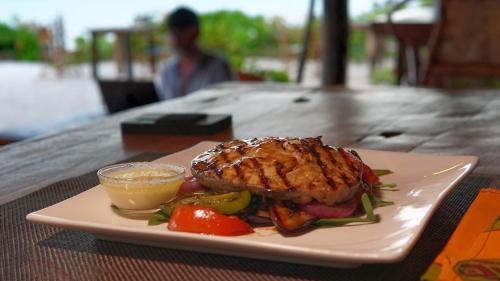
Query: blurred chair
{"x":410,"y":39}
{"x":122,"y":95}
{"x":465,"y":43}
{"x":5,"y":141}
{"x":125,"y":92}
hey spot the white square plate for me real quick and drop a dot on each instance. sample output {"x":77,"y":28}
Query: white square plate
{"x":423,"y":182}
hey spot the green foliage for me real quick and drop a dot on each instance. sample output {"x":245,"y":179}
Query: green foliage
{"x":83,"y":49}
{"x":277,"y":76}
{"x":105,"y":46}
{"x":273,"y":75}
{"x":236,"y":35}
{"x":383,"y":8}
{"x":377,"y":10}
{"x":26,"y":44}
{"x":357,"y":43}
{"x":7,"y":35}
{"x":470,"y":82}
{"x":140,"y":41}
{"x":384,"y":76}
{"x":426,"y":3}
{"x":19,"y":42}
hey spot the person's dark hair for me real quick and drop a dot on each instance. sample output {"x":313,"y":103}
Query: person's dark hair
{"x":182,"y":18}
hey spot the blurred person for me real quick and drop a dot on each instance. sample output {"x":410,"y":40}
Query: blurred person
{"x":192,"y":68}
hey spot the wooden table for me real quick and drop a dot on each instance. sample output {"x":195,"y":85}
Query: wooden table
{"x":397,"y":119}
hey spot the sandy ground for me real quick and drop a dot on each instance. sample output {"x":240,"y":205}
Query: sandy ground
{"x":34,"y":101}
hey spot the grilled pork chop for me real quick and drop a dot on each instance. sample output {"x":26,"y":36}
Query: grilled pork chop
{"x":299,"y":170}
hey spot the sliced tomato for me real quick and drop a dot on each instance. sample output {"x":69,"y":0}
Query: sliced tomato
{"x":369,"y":176}
{"x":196,"y":219}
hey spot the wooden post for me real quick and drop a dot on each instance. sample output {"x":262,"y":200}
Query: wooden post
{"x":306,"y":41}
{"x":335,"y":36}
{"x":128,"y":55}
{"x":95,"y":56}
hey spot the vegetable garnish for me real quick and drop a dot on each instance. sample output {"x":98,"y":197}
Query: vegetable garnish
{"x":227,"y":203}
{"x":166,"y":210}
{"x":369,"y":176}
{"x":197,"y":209}
{"x":190,"y":186}
{"x":157,"y":218}
{"x":381,"y":172}
{"x":369,"y":218}
{"x":386,"y":186}
{"x":197,"y":219}
{"x":377,"y":202}
{"x":381,"y":185}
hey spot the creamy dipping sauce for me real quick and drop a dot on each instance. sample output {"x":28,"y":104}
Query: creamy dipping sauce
{"x":141,"y":185}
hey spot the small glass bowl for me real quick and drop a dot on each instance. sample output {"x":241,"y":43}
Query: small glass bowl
{"x":141,"y":185}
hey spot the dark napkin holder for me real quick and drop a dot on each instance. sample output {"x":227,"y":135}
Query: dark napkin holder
{"x":177,"y":124}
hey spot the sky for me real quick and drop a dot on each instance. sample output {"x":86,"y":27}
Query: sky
{"x":81,"y":16}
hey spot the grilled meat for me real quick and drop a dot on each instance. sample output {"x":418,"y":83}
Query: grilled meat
{"x":299,"y":170}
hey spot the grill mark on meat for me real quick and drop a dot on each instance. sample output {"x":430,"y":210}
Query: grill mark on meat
{"x":347,"y":161}
{"x":351,"y":165}
{"x":343,"y":176}
{"x":282,"y":144}
{"x":353,"y":152}
{"x":237,"y":169}
{"x":340,"y":177}
{"x":322,"y":166}
{"x":252,"y":142}
{"x":240,"y":150}
{"x":280,"y":167}
{"x":296,"y":148}
{"x":223,"y":157}
{"x":341,"y":152}
{"x":218,"y":172}
{"x":263,"y":179}
{"x":328,"y":151}
{"x":359,"y":167}
{"x":345,"y":179}
{"x":282,"y":175}
{"x":237,"y":166}
{"x":208,"y":166}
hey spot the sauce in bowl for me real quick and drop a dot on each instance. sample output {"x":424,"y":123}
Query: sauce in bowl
{"x":141,"y":185}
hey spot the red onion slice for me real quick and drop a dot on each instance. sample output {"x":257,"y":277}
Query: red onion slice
{"x":191,"y":185}
{"x":338,"y":211}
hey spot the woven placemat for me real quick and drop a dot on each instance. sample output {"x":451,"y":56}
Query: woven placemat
{"x":38,"y":252}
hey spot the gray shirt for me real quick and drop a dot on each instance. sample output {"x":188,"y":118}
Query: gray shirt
{"x":208,"y":70}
